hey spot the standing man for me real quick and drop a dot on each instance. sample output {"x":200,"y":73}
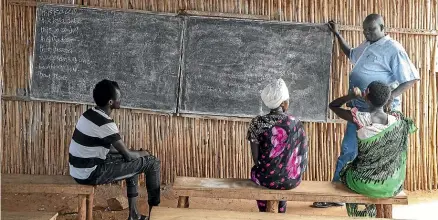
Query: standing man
{"x":379,"y":58}
{"x":99,"y":156}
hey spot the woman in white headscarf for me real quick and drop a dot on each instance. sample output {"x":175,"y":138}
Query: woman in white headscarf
{"x":278,"y":144}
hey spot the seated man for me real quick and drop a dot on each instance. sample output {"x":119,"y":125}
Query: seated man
{"x":95,"y":136}
{"x":379,"y":169}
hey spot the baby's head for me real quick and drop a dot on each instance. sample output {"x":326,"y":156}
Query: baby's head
{"x":378,"y":94}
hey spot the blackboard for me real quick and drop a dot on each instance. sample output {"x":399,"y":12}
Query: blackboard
{"x":227,"y":62}
{"x":77,"y":47}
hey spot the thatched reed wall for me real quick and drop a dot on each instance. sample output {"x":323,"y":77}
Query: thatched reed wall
{"x":36,"y":135}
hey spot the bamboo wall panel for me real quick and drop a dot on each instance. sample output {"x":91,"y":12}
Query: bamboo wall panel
{"x":36,"y":135}
{"x":1,"y":82}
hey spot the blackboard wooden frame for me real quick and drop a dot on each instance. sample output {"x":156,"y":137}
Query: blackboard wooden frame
{"x":152,"y":111}
{"x":204,"y":114}
{"x":180,"y":75}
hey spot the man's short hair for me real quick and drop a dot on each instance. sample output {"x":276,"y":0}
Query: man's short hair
{"x":378,"y":93}
{"x":377,"y":18}
{"x":104,"y":91}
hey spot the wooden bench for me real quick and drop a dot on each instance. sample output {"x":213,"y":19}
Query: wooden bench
{"x":307,"y":191}
{"x":28,"y":215}
{"x":20,"y":183}
{"x":162,"y":213}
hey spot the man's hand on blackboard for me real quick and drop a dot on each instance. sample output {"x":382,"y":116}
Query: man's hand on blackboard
{"x":333,"y":27}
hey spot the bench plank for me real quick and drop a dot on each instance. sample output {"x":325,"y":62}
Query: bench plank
{"x":307,"y":191}
{"x":22,"y":183}
{"x":28,"y":215}
{"x":163,"y":213}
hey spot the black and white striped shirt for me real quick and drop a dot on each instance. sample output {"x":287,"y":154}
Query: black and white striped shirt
{"x":91,"y":142}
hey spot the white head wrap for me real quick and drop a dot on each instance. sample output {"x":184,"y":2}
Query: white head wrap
{"x":275,"y":93}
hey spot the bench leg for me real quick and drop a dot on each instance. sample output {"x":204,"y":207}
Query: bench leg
{"x":82,"y":207}
{"x":384,"y":211}
{"x":387,"y":211}
{"x":272,"y":206}
{"x":90,"y":203}
{"x":380,"y":213}
{"x":183,"y":202}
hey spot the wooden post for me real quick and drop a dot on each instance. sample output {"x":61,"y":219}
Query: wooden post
{"x":387,"y":211}
{"x":183,"y":202}
{"x":90,"y":203}
{"x":272,"y":206}
{"x":380,"y":211}
{"x":82,"y":207}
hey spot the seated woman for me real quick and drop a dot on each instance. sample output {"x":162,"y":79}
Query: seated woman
{"x":379,"y":169}
{"x":278,"y":144}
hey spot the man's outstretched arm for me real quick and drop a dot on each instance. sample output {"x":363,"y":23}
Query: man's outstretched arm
{"x":344,"y":45}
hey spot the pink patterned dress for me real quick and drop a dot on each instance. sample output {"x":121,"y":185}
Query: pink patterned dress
{"x":282,"y":155}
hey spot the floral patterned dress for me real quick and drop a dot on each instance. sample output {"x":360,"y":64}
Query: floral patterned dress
{"x":282,"y":155}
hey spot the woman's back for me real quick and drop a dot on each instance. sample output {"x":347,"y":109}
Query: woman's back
{"x":379,"y":169}
{"x":369,"y":124}
{"x":282,"y":153}
{"x":278,"y":144}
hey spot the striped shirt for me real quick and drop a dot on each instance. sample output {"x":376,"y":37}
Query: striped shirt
{"x":91,"y":142}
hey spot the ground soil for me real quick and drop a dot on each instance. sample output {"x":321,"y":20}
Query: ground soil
{"x":422,"y":204}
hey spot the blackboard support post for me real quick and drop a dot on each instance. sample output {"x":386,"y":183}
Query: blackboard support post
{"x":181,"y":66}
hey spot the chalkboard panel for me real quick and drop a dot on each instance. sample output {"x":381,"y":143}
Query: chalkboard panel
{"x":227,"y":62}
{"x":77,"y":47}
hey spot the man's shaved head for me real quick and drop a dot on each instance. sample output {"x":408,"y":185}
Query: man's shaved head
{"x":374,"y":18}
{"x":373,"y":27}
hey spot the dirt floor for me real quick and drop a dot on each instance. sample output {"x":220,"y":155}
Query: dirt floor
{"x":423,"y":205}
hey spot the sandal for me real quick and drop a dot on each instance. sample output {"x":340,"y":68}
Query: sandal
{"x":320,"y":205}
{"x":326,"y":204}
